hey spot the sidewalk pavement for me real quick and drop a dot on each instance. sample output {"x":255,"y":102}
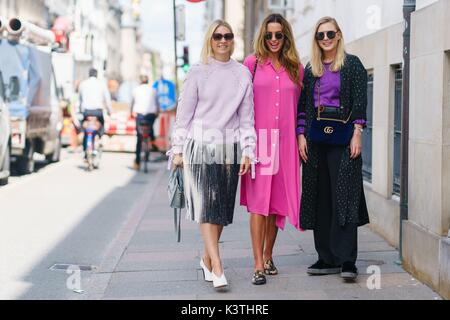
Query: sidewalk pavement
{"x":145,"y":262}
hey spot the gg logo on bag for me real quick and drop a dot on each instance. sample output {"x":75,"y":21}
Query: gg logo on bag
{"x":328,"y":130}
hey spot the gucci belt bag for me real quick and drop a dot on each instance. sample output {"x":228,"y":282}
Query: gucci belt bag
{"x":329,"y":127}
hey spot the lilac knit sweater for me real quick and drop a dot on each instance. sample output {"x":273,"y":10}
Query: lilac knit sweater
{"x":216,"y":106}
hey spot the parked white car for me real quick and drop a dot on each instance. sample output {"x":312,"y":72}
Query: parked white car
{"x":5,"y":134}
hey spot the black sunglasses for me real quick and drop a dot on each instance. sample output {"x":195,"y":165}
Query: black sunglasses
{"x":226,"y":36}
{"x":330,"y":34}
{"x":278,"y":35}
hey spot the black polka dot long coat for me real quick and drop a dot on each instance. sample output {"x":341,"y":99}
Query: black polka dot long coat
{"x":351,"y":201}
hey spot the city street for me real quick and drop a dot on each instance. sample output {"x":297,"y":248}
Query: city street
{"x":118,"y":222}
{"x":63,"y":214}
{"x":340,"y":83}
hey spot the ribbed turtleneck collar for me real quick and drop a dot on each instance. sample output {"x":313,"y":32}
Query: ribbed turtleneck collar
{"x":214,"y":61}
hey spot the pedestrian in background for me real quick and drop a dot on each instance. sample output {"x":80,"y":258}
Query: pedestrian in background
{"x":94,"y":97}
{"x":274,"y":196}
{"x":145,"y":108}
{"x":214,"y":132}
{"x":333,"y":202}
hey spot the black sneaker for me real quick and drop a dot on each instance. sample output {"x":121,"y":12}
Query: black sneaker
{"x":349,"y":271}
{"x":322,"y":268}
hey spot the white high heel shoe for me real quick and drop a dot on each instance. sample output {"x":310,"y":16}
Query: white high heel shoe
{"x":219,"y":282}
{"x":206,"y":273}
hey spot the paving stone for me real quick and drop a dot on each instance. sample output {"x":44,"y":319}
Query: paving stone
{"x":391,"y":293}
{"x":155,"y":276}
{"x":158,"y":261}
{"x":120,"y":290}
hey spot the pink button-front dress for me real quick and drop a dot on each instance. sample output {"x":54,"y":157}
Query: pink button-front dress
{"x":276,"y":189}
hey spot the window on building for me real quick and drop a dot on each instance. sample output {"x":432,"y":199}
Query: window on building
{"x":398,"y":101}
{"x":367,"y":135}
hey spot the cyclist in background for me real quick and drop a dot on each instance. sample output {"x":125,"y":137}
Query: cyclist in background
{"x":94,"y":98}
{"x":144,"y":107}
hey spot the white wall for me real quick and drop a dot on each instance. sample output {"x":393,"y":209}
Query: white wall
{"x":357,"y":18}
{"x":423,"y":3}
{"x":235,"y":15}
{"x":426,"y":248}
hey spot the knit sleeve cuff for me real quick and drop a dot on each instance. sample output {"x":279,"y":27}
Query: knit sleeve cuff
{"x":249,"y":152}
{"x":361,"y":122}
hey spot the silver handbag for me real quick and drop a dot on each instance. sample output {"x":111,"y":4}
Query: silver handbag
{"x":177,"y":201}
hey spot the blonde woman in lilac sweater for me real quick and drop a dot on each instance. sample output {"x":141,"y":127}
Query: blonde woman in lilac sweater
{"x":214,"y":141}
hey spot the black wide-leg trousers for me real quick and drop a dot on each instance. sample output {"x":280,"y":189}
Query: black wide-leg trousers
{"x":335,"y":244}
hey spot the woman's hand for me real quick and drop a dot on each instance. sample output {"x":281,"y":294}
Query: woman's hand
{"x":245,"y":166}
{"x":356,"y":144}
{"x":177,"y":161}
{"x":303,"y":147}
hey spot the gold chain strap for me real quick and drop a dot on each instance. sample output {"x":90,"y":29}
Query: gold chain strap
{"x":320,"y":106}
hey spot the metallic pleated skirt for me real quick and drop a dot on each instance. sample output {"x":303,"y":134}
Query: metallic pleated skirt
{"x":211,"y":176}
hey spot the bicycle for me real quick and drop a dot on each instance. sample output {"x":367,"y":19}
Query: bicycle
{"x":93,"y":146}
{"x":144,"y":130}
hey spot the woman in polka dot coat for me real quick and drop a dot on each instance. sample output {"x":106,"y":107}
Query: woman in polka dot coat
{"x":333,"y":202}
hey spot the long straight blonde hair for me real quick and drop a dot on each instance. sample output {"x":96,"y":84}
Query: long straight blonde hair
{"x":289,"y":57}
{"x":317,"y":53}
{"x":207,"y":50}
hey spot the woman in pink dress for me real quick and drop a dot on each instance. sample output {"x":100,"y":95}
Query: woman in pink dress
{"x":274,"y":195}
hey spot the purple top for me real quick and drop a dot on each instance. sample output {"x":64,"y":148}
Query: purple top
{"x":330,"y":95}
{"x":330,"y":88}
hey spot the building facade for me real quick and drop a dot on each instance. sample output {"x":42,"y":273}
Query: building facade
{"x":114,"y":39}
{"x":232,"y":11}
{"x":234,"y":14}
{"x":96,"y":35}
{"x":131,"y":49}
{"x":214,"y":10}
{"x":131,"y":55}
{"x":357,"y":18}
{"x":426,"y":235}
{"x":34,"y":11}
{"x":104,"y":34}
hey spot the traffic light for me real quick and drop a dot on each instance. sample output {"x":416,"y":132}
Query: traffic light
{"x":186,"y":65}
